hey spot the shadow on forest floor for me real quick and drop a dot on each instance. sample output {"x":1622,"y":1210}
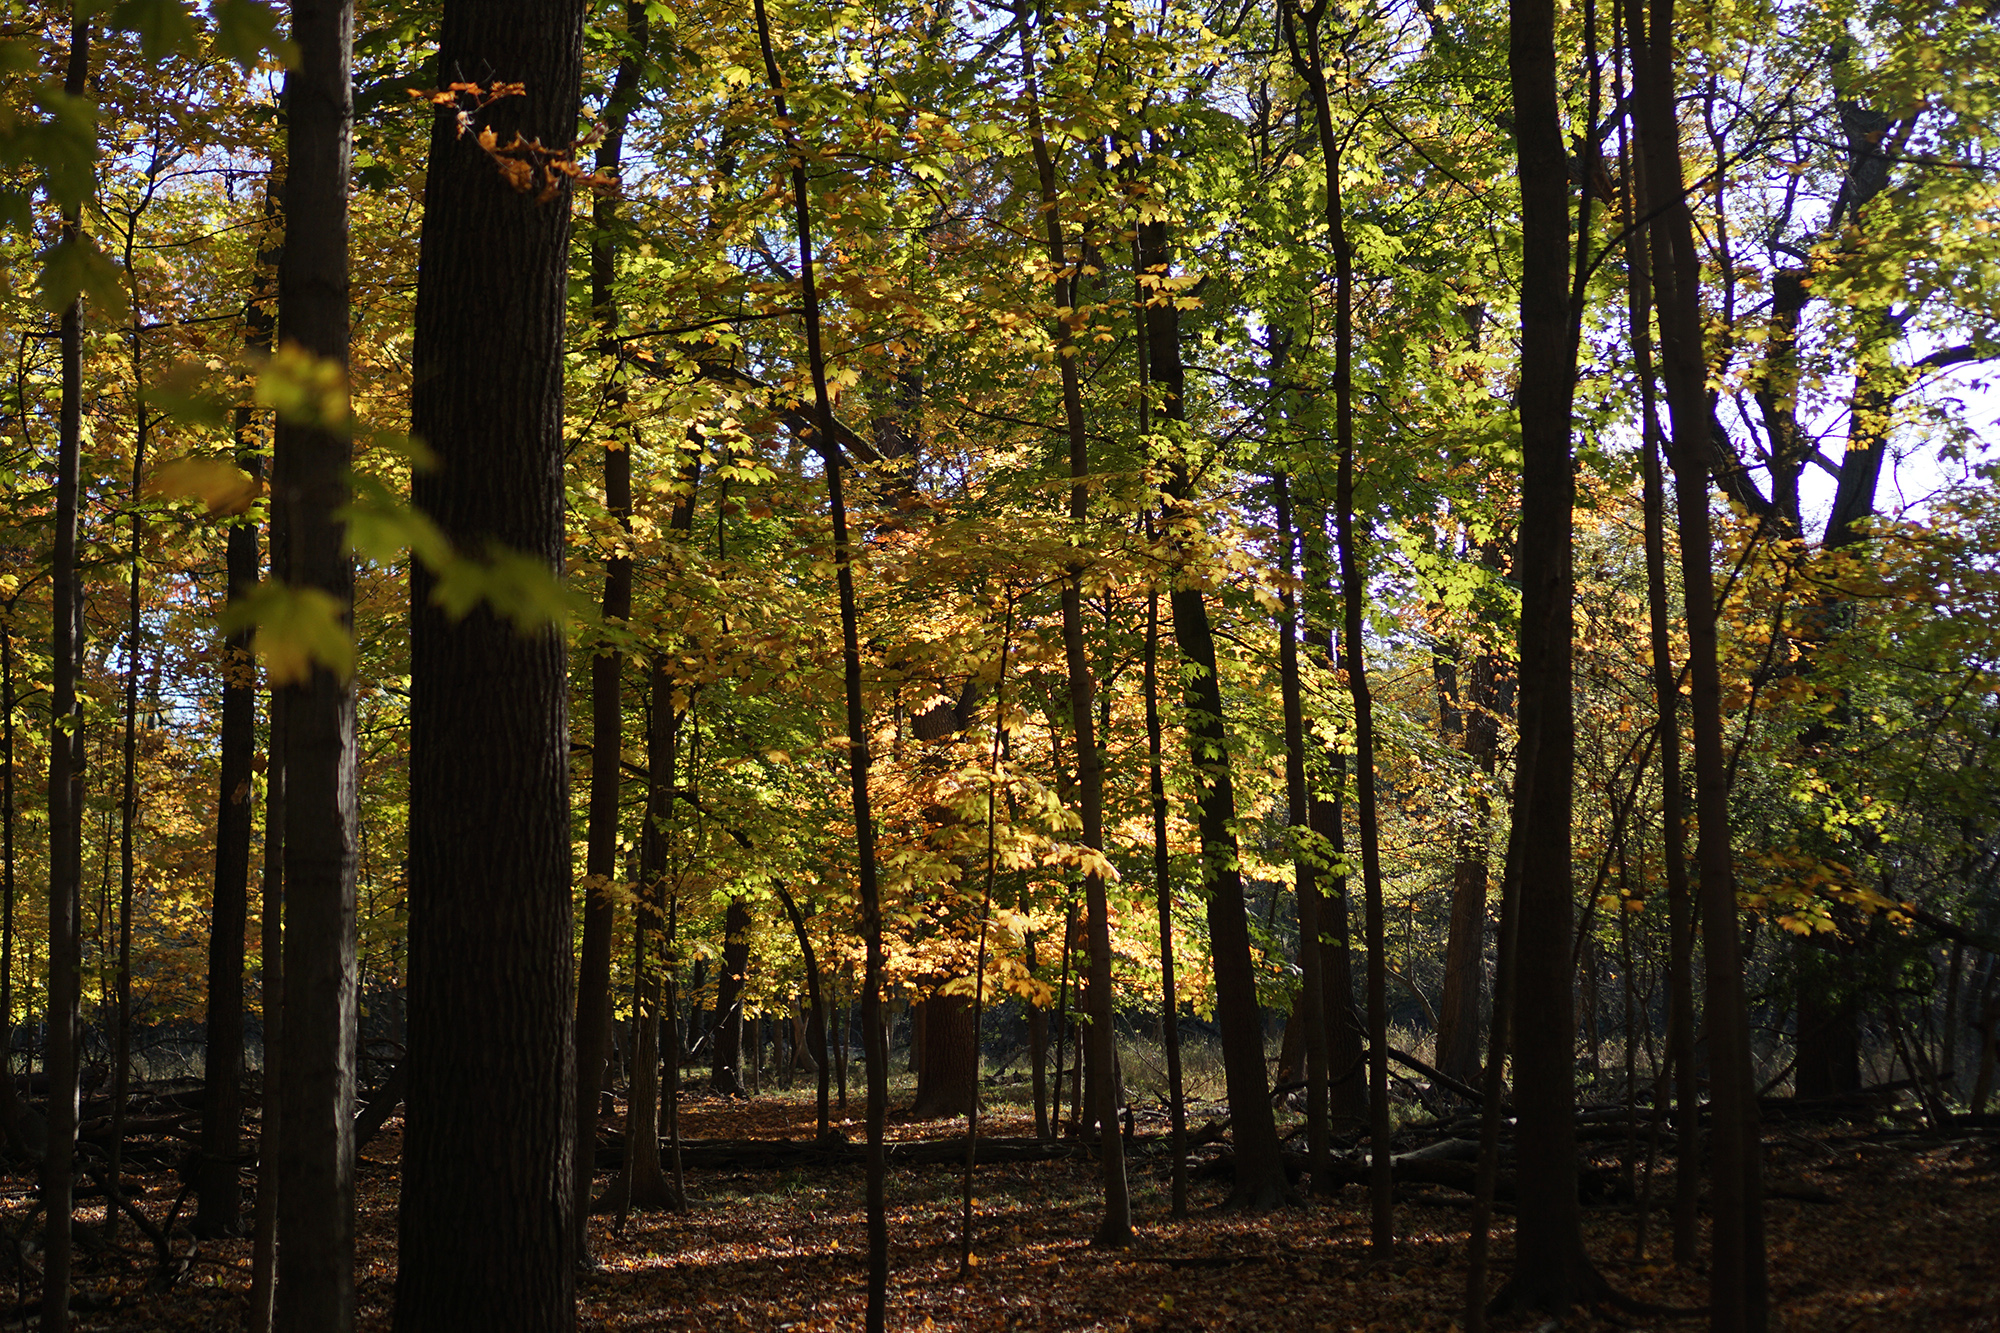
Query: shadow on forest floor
{"x":1909,"y":1239}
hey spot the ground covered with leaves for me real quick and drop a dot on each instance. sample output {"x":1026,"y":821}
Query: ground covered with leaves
{"x":1870,"y":1228}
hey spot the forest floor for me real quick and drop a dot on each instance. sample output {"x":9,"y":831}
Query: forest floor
{"x":1874,"y":1229}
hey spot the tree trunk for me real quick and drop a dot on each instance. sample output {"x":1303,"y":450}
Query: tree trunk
{"x":857,"y":733}
{"x":607,"y":666}
{"x":1311,"y":1009}
{"x":726,"y":1066}
{"x":1551,"y":1271}
{"x":1465,"y":944}
{"x":1163,"y":900}
{"x":1260,"y":1175}
{"x":1667,"y":695}
{"x":947,"y":1073}
{"x":815,"y":994}
{"x":315,"y":1277}
{"x":1115,"y":1228}
{"x":219,"y":1181}
{"x":487,"y":1236}
{"x":65,"y":794}
{"x":1737,"y":1283}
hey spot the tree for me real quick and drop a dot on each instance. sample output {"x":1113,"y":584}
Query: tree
{"x":486,"y":1228}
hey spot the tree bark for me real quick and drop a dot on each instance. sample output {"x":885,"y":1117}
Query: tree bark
{"x":1260,"y":1174}
{"x":1115,"y":1227}
{"x":1163,"y":901}
{"x":1551,"y":1270}
{"x":486,"y":1227}
{"x":219,"y":1182}
{"x":65,"y":794}
{"x":725,"y":1073}
{"x":607,"y":666}
{"x":1737,"y":1283}
{"x":947,"y":1072}
{"x":315,"y":1159}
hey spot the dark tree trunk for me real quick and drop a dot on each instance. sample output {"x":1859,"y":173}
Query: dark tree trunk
{"x":65,"y":793}
{"x":315,"y":1158}
{"x":1260,"y":1173}
{"x":947,"y":1073}
{"x":1667,"y":695}
{"x":271,"y":982}
{"x":1465,"y":944}
{"x":1163,"y":900}
{"x":1115,"y":1228}
{"x":219,"y":1182}
{"x":858,"y":762}
{"x":1311,"y":1009}
{"x":486,"y":1227}
{"x":725,"y":1073}
{"x":607,"y":716}
{"x":1551,"y":1270}
{"x":816,"y":997}
{"x":1737,"y":1283}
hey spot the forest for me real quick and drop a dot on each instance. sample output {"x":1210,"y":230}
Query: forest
{"x":1138,"y":664}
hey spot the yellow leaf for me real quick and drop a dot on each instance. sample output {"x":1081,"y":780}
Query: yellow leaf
{"x":218,"y":483}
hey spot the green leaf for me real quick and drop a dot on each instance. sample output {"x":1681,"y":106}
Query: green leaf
{"x":164,"y":26}
{"x":296,"y":629}
{"x":73,"y":268}
{"x":246,"y":29}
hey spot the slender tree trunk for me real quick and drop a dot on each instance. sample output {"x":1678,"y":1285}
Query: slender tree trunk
{"x":315,"y":1159}
{"x":1163,"y":899}
{"x":1475,"y":702}
{"x":726,"y":1068}
{"x":607,"y":667}
{"x":1115,"y":1228}
{"x":857,"y":732}
{"x":1305,"y":856}
{"x":65,"y":784}
{"x":271,"y":982}
{"x":1260,"y":1176}
{"x":1666,"y":693}
{"x":219,"y":1181}
{"x":487,"y":1235}
{"x":816,"y":1029}
{"x":1737,"y":1284}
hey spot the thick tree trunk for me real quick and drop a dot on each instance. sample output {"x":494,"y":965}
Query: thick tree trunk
{"x":65,"y":793}
{"x":1551,"y":1270}
{"x":315,"y":1157}
{"x":489,"y":1186}
{"x":947,"y":1074}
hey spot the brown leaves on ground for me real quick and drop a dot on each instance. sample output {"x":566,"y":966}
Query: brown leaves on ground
{"x":1910,"y":1239}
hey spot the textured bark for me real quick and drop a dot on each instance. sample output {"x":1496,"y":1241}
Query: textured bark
{"x":219,"y":1179}
{"x":65,"y":793}
{"x":1738,"y":1299}
{"x":947,"y":1073}
{"x":315,"y":1157}
{"x":487,"y":1233}
{"x":607,"y":667}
